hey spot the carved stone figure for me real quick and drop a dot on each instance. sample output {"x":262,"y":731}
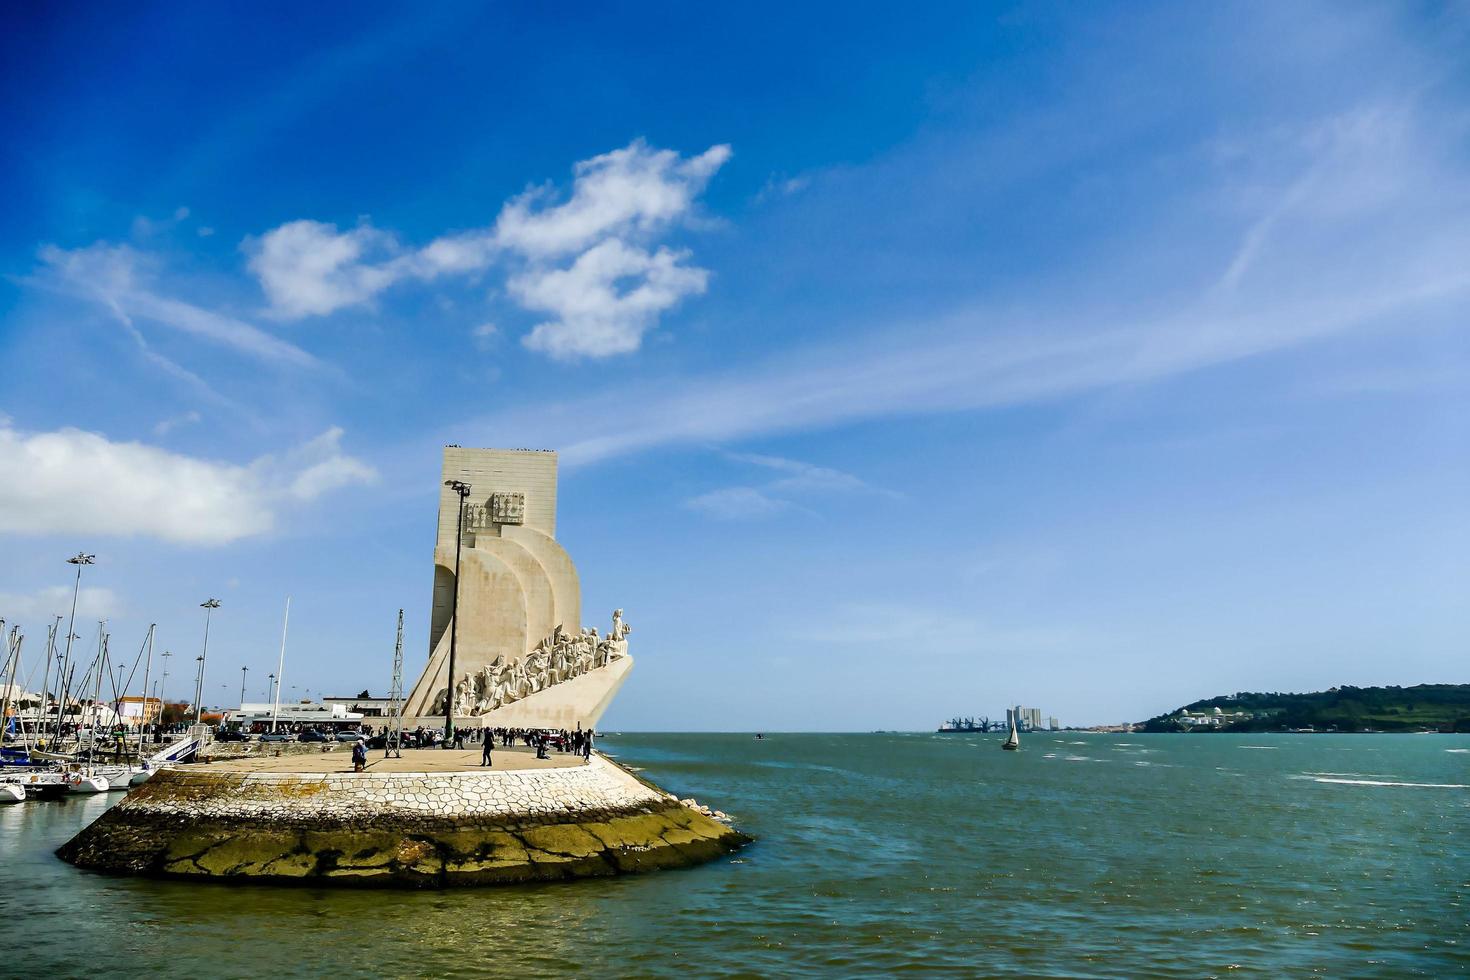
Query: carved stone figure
{"x":555,"y":659}
{"x":507,"y":508}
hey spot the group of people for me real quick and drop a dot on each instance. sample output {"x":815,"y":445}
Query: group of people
{"x":543,"y":740}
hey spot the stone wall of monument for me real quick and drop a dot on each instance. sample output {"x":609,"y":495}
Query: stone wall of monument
{"x":529,"y":472}
{"x":516,"y":587}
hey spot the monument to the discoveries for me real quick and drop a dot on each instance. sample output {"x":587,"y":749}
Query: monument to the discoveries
{"x":522,"y":657}
{"x":437,"y":817}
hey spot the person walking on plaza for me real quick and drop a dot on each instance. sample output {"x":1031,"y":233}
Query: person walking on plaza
{"x":359,"y":755}
{"x":485,"y":752}
{"x":459,"y":738}
{"x":587,"y":746}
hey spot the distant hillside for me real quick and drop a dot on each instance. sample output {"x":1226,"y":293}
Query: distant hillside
{"x":1435,"y":707}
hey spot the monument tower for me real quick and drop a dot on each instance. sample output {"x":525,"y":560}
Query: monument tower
{"x":522,"y":657}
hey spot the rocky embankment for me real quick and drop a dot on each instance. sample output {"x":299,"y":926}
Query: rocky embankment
{"x":405,"y":829}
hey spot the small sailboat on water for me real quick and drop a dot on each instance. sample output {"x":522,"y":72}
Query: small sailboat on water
{"x":1013,"y":740}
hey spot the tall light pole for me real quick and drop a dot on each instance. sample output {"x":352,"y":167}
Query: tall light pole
{"x":243,"y":672}
{"x":463,"y":489}
{"x":198,"y":687}
{"x":80,"y":560}
{"x":163,"y":684}
{"x":209,"y":606}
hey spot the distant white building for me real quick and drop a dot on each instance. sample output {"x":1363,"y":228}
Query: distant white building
{"x":1025,"y":719}
{"x":367,"y":707}
{"x":305,"y":714}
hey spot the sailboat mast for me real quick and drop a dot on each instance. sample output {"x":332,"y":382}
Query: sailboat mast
{"x":46,"y":679}
{"x":13,"y":660}
{"x":97,"y":690}
{"x":281,"y":665}
{"x":147,"y":666}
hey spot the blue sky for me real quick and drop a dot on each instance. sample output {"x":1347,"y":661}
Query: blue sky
{"x":902,"y":363}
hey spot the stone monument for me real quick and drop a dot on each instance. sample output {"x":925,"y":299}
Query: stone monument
{"x":522,"y":657}
{"x":441,"y":817}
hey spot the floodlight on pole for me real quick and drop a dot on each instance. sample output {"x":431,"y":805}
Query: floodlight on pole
{"x":209,"y":606}
{"x":463,"y":489}
{"x":80,"y":560}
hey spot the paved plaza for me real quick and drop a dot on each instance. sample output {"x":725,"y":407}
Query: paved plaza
{"x":339,"y":759}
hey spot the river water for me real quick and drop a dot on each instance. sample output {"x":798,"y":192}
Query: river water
{"x":1081,"y":855}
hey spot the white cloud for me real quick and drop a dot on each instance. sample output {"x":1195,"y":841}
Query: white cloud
{"x":590,"y":261}
{"x":75,"y":482}
{"x":309,"y":268}
{"x":314,"y":468}
{"x":635,"y":190}
{"x":43,"y":605}
{"x":594,"y":315}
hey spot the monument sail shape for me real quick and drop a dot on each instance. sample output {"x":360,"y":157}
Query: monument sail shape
{"x":523,"y":658}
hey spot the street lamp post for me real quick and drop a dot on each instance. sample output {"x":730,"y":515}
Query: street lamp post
{"x":198,"y":687}
{"x":243,"y":672}
{"x":209,"y":606}
{"x":463,"y":489}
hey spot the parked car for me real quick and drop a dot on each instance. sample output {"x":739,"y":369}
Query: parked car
{"x":278,"y":737}
{"x":349,"y":735}
{"x":312,"y":735}
{"x":231,"y":735}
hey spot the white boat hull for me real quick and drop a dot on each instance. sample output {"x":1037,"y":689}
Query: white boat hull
{"x":79,"y":783}
{"x":119,"y":778}
{"x":12,"y":793}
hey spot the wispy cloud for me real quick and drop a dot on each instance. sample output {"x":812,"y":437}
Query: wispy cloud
{"x":165,"y":426}
{"x":737,"y":503}
{"x":797,"y":482}
{"x":120,"y":278}
{"x":1355,"y":228}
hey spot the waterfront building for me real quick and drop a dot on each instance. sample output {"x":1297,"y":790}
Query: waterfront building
{"x":135,"y":710}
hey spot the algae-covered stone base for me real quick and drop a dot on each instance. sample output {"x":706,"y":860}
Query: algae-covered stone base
{"x":202,"y":825}
{"x":672,"y":837}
